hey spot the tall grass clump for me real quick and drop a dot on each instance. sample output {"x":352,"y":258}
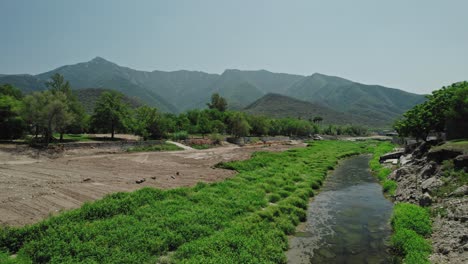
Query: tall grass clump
{"x":244,"y":219}
{"x":380,"y":171}
{"x":411,"y":225}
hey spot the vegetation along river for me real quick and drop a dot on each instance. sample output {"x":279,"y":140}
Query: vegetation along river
{"x":347,"y":222}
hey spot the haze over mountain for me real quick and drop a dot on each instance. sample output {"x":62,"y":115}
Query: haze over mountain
{"x":182,"y":90}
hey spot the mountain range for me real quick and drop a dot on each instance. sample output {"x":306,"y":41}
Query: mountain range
{"x":252,"y":91}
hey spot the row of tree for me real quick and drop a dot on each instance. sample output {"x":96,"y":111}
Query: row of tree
{"x":445,"y":110}
{"x":57,"y":110}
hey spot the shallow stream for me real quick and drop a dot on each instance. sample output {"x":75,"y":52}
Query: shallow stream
{"x":347,"y":222}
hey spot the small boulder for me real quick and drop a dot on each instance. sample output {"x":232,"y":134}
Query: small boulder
{"x":140,"y":181}
{"x":425,"y":200}
{"x":460,"y":191}
{"x":431,"y":184}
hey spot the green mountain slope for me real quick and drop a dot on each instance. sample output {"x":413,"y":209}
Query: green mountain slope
{"x":276,"y":105}
{"x":381,"y":105}
{"x":101,"y":73}
{"x":25,"y":82}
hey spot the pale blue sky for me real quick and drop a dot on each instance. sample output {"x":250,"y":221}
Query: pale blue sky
{"x":416,"y":45}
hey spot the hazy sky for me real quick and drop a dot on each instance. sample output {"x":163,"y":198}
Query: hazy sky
{"x":414,"y":45}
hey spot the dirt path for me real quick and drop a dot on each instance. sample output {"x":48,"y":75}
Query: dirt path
{"x":180,"y":145}
{"x":31,"y":189}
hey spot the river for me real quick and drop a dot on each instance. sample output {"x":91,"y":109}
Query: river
{"x":347,"y":222}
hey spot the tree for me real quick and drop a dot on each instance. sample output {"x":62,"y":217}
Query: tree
{"x":48,"y":112}
{"x":446,"y":107}
{"x":217,"y":102}
{"x":11,"y":123}
{"x":238,"y":124}
{"x":58,"y":84}
{"x":317,"y":120}
{"x":260,"y":125}
{"x":110,"y":113}
{"x":145,"y":121}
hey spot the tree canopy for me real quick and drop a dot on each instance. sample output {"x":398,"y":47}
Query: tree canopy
{"x":217,"y":102}
{"x":110,"y":113}
{"x":438,"y":114}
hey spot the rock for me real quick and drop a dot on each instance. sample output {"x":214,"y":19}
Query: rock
{"x":425,"y":200}
{"x":460,"y":191}
{"x":441,"y":154}
{"x":392,"y":161}
{"x":461,"y":161}
{"x":427,"y":171}
{"x":392,"y":155}
{"x":153,"y":177}
{"x":431,"y":184}
{"x":86,"y":179}
{"x":405,"y":159}
{"x":140,"y":181}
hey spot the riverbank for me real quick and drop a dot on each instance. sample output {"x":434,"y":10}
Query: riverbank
{"x":244,"y":219}
{"x":436,"y":178}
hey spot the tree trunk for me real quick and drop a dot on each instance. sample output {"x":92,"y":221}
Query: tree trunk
{"x":37,"y":131}
{"x":112,"y":130}
{"x":61,"y":136}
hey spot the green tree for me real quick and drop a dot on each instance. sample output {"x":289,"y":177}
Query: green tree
{"x":217,"y":102}
{"x":260,"y":125}
{"x":11,"y":124}
{"x":110,"y":113}
{"x":444,"y":108}
{"x":58,"y":84}
{"x":48,"y":112}
{"x":238,"y":124}
{"x":145,"y":122}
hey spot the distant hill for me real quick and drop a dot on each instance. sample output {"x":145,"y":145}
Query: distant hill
{"x":179,"y":91}
{"x":380,"y":105}
{"x":88,"y":97}
{"x":276,"y":105}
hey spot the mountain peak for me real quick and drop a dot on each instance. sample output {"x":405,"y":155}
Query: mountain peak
{"x":98,"y":59}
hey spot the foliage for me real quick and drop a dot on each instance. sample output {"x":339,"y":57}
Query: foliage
{"x":48,"y":112}
{"x":225,"y":222}
{"x":12,"y":125}
{"x":411,"y":224}
{"x":380,"y":171}
{"x":156,"y":147}
{"x":238,"y":125}
{"x":145,"y":122}
{"x":110,"y":113}
{"x":442,"y":107}
{"x":180,"y":135}
{"x":217,"y":102}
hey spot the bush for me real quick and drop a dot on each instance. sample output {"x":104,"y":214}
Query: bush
{"x":411,"y":224}
{"x":181,"y":135}
{"x":413,"y":217}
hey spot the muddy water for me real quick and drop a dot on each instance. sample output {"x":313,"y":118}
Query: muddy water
{"x":347,"y":222}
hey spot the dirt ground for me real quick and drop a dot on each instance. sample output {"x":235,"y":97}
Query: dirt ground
{"x":33,"y":186}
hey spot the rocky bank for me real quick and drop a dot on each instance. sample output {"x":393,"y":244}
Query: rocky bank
{"x":435,"y":177}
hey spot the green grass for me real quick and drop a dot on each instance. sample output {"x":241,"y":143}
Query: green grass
{"x":380,"y":171}
{"x":457,"y":145}
{"x":73,"y":137}
{"x":411,"y":225}
{"x":202,"y":146}
{"x":244,"y":219}
{"x":157,"y":147}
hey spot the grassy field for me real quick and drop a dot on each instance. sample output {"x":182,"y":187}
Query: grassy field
{"x":245,"y":219}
